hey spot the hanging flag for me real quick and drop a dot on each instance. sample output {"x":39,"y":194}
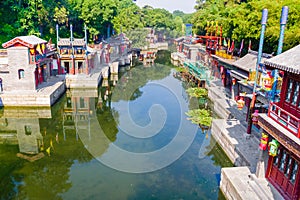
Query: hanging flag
{"x":38,"y":49}
{"x":232,"y":47}
{"x":49,"y":44}
{"x":43,"y":48}
{"x":249,"y":47}
{"x":228,"y":45}
{"x":224,"y":43}
{"x":219,"y":43}
{"x":242,"y":46}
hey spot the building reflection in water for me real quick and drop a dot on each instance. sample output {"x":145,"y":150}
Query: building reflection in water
{"x":34,"y":130}
{"x":78,"y":111}
{"x":21,"y":126}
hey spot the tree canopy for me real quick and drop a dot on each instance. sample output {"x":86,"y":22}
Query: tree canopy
{"x":39,"y":17}
{"x":242,"y":20}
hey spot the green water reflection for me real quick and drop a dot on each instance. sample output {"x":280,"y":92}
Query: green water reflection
{"x":70,"y":130}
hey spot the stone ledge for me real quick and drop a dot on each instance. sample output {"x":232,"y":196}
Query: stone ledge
{"x":238,"y":183}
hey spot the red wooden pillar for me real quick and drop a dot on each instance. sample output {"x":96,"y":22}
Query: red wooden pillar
{"x":59,"y":68}
{"x":72,"y":67}
{"x":76,"y":67}
{"x":40,"y":74}
{"x":269,"y":167}
{"x":36,"y":77}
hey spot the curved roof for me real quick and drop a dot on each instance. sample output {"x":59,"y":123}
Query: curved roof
{"x":28,"y":41}
{"x":249,"y":61}
{"x":67,"y":42}
{"x":287,"y":61}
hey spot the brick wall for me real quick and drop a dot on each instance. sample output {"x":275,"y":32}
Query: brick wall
{"x":18,"y":58}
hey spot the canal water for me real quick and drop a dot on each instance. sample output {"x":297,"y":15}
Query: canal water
{"x":130,"y":139}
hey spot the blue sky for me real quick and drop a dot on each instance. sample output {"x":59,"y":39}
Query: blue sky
{"x":186,"y":6}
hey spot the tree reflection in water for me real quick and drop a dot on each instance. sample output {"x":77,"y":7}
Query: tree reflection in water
{"x":73,"y":127}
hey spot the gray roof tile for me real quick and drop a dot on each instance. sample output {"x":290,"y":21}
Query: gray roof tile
{"x":248,"y":62}
{"x":287,"y":61}
{"x":66,"y":42}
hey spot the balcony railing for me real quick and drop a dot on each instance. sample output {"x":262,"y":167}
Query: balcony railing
{"x":285,"y":119}
{"x":70,"y":52}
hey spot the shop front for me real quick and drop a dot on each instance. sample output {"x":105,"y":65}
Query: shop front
{"x":283,"y":170}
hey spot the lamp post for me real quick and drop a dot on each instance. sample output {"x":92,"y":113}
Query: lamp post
{"x":283,"y":20}
{"x":72,"y":52}
{"x":57,"y":35}
{"x":261,"y":43}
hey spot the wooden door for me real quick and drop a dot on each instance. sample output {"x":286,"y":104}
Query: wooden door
{"x":284,"y":173}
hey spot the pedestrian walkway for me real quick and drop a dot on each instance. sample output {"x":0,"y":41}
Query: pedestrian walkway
{"x":230,"y":132}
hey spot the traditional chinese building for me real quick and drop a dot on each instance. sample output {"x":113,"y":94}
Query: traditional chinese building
{"x":75,"y":55}
{"x":282,"y":125}
{"x":151,"y":37}
{"x":30,"y":62}
{"x":244,"y":74}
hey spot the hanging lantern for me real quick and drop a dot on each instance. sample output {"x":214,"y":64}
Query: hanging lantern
{"x":233,"y":81}
{"x":255,"y":117}
{"x":273,"y":147}
{"x":263,"y":141}
{"x":240,"y":103}
{"x":267,"y":81}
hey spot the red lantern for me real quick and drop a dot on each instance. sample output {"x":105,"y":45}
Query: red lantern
{"x":263,"y":141}
{"x":240,"y":103}
{"x":255,"y":117}
{"x":233,"y":81}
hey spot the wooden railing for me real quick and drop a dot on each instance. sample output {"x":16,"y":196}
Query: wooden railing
{"x":69,"y":52}
{"x":285,"y":119}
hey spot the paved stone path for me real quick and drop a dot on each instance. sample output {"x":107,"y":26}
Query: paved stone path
{"x":238,"y":182}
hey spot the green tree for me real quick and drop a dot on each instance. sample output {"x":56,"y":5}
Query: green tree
{"x":133,"y":18}
{"x":138,"y":37}
{"x":241,"y":20}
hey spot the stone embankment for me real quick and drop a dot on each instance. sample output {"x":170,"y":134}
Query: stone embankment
{"x":45,"y":96}
{"x":239,"y":182}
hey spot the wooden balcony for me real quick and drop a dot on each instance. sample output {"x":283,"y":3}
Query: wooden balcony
{"x":68,"y":53}
{"x":285,"y":119}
